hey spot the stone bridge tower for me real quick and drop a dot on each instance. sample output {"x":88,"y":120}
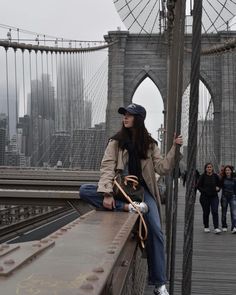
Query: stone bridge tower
{"x":135,"y":56}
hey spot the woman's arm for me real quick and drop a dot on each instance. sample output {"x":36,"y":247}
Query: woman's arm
{"x":200,"y":184}
{"x":164,"y":165}
{"x":108,"y":166}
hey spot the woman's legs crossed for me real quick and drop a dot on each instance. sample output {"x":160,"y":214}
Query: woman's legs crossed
{"x":88,"y":193}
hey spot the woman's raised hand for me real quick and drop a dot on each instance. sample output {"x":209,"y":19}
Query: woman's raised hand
{"x":178,"y":139}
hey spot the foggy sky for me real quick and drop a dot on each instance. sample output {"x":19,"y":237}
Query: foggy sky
{"x":80,"y":20}
{"x":73,"y":19}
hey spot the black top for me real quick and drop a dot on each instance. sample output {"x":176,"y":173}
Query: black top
{"x":207,"y":184}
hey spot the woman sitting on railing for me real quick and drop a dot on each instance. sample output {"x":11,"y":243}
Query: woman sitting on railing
{"x":133,"y":151}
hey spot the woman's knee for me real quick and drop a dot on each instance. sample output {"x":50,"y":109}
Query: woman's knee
{"x":87,"y":190}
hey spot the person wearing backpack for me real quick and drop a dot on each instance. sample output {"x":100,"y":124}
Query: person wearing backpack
{"x":209,"y":186}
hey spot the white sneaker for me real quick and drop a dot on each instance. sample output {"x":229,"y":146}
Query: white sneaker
{"x":141,"y":206}
{"x":234,"y":230}
{"x":206,"y":230}
{"x":217,"y":231}
{"x":161,"y":290}
{"x":224,"y":229}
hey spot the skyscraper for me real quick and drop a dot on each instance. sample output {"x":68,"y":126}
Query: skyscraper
{"x":42,"y":119}
{"x":3,"y":133}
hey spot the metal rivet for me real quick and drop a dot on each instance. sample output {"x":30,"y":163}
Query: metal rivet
{"x":112,"y":247}
{"x":54,"y":236}
{"x":110,"y":252}
{"x":5,"y":246}
{"x":44,"y":241}
{"x":98,"y":269}
{"x":36,"y":245}
{"x":92,"y":278}
{"x":9,"y":261}
{"x":86,"y":286}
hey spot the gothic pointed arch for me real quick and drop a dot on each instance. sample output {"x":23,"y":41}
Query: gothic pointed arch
{"x":140,"y":77}
{"x":148,"y":95}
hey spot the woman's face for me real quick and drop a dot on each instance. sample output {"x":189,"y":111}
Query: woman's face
{"x":228,"y":172}
{"x":128,"y":120}
{"x":209,"y":169}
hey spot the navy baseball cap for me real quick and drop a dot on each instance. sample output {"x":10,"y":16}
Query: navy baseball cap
{"x":133,"y":109}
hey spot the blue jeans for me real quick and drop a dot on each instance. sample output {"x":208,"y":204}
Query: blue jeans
{"x":155,"y":240}
{"x":210,"y":203}
{"x":231,"y":201}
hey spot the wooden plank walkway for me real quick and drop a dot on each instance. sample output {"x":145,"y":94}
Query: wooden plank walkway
{"x":214,"y":256}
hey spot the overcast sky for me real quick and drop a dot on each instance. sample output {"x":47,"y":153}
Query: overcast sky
{"x":80,"y":20}
{"x":73,"y":19}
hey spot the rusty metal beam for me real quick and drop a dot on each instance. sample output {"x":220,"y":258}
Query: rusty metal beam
{"x":91,"y":255}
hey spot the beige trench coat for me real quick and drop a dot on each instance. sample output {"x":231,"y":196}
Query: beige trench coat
{"x":115,"y":158}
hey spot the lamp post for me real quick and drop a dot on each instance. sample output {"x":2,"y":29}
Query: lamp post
{"x":161,"y":136}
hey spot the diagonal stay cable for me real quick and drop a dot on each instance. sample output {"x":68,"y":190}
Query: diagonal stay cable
{"x":219,"y":13}
{"x":130,"y":10}
{"x":136,"y":18}
{"x":212,"y":23}
{"x":151,"y":11}
{"x":124,"y":6}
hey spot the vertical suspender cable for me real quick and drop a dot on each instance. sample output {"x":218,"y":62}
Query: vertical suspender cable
{"x":61,"y":107}
{"x":49,"y":109}
{"x":23,"y":72}
{"x":53,"y":102}
{"x":174,"y":103}
{"x":8,"y":106}
{"x":192,"y":150}
{"x":16,"y":98}
{"x":43,"y":88}
{"x":57,"y":115}
{"x":16,"y":87}
{"x":233,"y":85}
{"x":37,"y":121}
{"x":64,"y":99}
{"x":229,"y":120}
{"x":30,"y":108}
{"x":77,"y":88}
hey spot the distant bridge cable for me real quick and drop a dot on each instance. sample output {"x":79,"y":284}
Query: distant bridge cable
{"x":219,"y":14}
{"x":45,"y":38}
{"x":154,"y":23}
{"x":140,"y":13}
{"x":141,"y":16}
{"x":22,"y":46}
{"x":7,"y":90}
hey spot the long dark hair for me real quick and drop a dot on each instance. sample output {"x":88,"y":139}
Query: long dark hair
{"x":232,"y":171}
{"x":138,"y":135}
{"x":205,"y":166}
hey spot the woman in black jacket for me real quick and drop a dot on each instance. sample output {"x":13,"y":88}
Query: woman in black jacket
{"x":209,"y":186}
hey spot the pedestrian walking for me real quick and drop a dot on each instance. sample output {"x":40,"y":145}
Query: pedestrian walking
{"x":228,"y":198}
{"x":209,"y":186}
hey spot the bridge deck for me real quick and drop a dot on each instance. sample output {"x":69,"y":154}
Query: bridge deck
{"x":214,"y":257}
